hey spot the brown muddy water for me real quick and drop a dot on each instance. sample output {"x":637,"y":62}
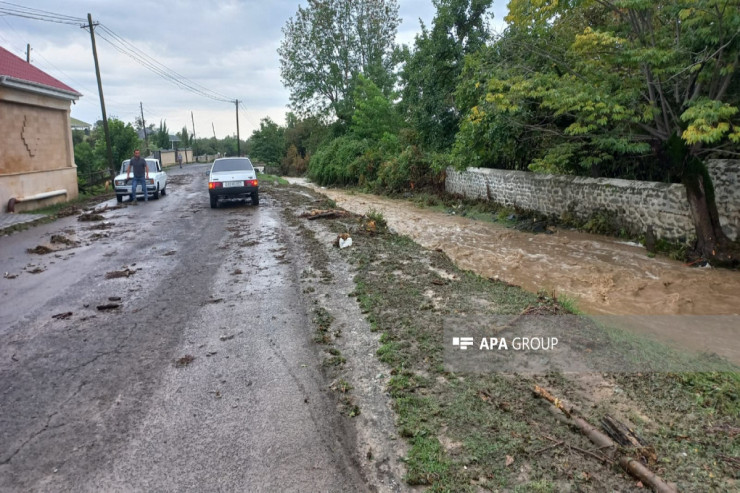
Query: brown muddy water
{"x":691,"y":308}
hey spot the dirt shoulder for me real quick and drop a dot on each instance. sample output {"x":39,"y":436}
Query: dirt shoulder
{"x":487,"y":431}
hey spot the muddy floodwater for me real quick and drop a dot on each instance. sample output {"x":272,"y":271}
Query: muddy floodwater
{"x":695,"y":308}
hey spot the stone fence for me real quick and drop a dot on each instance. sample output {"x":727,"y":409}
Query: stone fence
{"x":635,"y":204}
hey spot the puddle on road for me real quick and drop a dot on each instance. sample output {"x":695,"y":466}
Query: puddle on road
{"x":602,"y":275}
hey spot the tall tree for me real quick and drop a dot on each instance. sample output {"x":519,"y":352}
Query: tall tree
{"x":431,"y":71}
{"x":650,"y":77}
{"x":161,"y":137}
{"x":328,"y":43}
{"x":267,"y":144}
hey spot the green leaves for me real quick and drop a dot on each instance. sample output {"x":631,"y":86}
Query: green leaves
{"x":709,"y":122}
{"x":328,"y":44}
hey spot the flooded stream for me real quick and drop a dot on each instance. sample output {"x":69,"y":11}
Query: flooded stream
{"x":604,"y":276}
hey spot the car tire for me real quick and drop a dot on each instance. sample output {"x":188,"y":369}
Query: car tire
{"x":164,"y":191}
{"x":214,"y":202}
{"x":255,"y":198}
{"x":156,"y":192}
{"x":119,"y":198}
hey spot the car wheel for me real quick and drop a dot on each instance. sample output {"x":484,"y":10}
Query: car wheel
{"x":214,"y":202}
{"x":119,"y":198}
{"x":156,"y":192}
{"x":164,"y":190}
{"x":255,"y":198}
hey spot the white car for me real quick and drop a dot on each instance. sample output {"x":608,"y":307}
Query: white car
{"x":156,"y":184}
{"x":233,"y":178}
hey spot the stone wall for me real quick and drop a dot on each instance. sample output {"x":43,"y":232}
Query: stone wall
{"x":635,"y":204}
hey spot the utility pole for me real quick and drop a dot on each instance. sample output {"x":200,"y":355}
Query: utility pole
{"x":143,"y":125}
{"x":192,"y":119}
{"x":109,"y":149}
{"x":238,"y":145}
{"x":214,"y":130}
{"x":28,"y":53}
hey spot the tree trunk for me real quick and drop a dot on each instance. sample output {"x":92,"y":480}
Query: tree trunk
{"x":711,"y":242}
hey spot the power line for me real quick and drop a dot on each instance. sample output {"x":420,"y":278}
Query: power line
{"x":37,"y":14}
{"x":121,"y":45}
{"x":128,"y":49}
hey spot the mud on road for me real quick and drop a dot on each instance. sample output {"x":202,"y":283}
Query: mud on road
{"x":169,"y":346}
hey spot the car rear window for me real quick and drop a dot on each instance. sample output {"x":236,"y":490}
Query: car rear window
{"x":232,"y":165}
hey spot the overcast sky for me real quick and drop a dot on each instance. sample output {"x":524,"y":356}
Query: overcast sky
{"x":227,"y":46}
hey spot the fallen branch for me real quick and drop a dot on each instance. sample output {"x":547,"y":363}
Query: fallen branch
{"x":601,"y":440}
{"x":329,"y":214}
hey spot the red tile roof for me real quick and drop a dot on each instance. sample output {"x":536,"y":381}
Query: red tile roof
{"x":17,"y":68}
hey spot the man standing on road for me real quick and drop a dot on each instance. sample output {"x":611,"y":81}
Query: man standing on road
{"x":179,"y":159}
{"x":141,"y":174}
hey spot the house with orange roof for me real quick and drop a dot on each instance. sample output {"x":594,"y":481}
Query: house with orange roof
{"x":37,"y":166}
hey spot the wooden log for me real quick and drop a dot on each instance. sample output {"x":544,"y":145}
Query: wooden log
{"x":601,"y":440}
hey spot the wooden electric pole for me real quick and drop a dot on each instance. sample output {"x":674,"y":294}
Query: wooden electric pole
{"x":192,"y":119}
{"x":109,"y":149}
{"x":143,"y":125}
{"x":238,"y":144}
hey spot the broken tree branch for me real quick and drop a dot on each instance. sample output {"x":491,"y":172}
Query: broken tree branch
{"x":601,"y":440}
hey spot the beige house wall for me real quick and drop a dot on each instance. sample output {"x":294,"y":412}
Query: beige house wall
{"x":169,"y":157}
{"x":36,"y":152}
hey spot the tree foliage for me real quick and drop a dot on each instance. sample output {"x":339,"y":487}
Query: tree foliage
{"x":431,"y":72}
{"x":267,"y":144}
{"x":161,"y":138}
{"x":124,"y":140}
{"x":374,"y":114}
{"x":607,"y":79}
{"x":327,"y":44}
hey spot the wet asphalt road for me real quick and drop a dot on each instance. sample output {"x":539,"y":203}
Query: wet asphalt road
{"x":96,"y":402}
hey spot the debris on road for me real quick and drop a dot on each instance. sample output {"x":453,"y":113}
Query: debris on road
{"x":62,"y":316}
{"x":324,"y":214}
{"x":114,"y":298}
{"x":90,"y":216}
{"x":120,"y":273}
{"x":184,"y":361}
{"x":8,"y":275}
{"x":40,"y":250}
{"x":62,"y":240}
{"x":109,"y":306}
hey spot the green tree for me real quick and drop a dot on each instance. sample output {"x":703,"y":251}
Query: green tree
{"x":267,"y":144}
{"x":653,"y":78}
{"x":184,"y":137}
{"x":84,"y":158}
{"x":124,"y":140}
{"x":328,"y":43}
{"x":161,"y":138}
{"x":431,"y":73}
{"x":374,"y":115}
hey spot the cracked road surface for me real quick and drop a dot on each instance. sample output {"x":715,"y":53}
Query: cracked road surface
{"x":203,"y":379}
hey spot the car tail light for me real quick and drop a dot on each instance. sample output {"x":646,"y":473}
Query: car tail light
{"x":250,"y":183}
{"x":214,"y":184}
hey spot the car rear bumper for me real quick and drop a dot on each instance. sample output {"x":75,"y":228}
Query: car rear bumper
{"x":232,"y":192}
